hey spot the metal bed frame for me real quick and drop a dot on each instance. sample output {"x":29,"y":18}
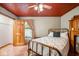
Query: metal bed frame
{"x":31,"y":51}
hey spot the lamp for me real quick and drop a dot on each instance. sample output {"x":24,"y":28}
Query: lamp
{"x":72,"y":29}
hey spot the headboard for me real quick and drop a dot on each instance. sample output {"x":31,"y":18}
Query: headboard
{"x":58,"y":30}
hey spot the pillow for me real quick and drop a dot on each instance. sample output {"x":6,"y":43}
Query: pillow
{"x":64,"y":34}
{"x":50,"y":34}
{"x":56,"y":34}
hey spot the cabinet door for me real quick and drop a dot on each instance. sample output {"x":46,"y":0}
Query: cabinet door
{"x":75,"y":25}
{"x":18,"y":32}
{"x":77,"y":22}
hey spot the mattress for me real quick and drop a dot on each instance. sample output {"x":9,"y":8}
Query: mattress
{"x":61,"y":43}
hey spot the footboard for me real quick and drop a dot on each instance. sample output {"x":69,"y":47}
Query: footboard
{"x":40,"y":49}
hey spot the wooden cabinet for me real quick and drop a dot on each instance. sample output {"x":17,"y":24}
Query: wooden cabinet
{"x":18,"y":32}
{"x":74,"y":30}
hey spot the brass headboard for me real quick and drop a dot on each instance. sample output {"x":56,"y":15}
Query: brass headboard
{"x":58,"y":30}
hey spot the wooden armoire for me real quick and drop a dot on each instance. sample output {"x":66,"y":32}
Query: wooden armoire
{"x":18,"y":32}
{"x":74,"y":30}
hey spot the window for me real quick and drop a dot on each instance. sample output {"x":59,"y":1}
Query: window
{"x":28,"y":31}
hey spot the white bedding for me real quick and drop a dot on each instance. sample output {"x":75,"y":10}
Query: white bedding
{"x":61,"y":43}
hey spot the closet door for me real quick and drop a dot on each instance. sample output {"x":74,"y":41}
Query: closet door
{"x":18,"y":32}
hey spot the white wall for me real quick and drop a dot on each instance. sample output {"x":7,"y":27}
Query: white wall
{"x":6,"y":30}
{"x":66,"y":17}
{"x":4,"y":11}
{"x":43,"y":24}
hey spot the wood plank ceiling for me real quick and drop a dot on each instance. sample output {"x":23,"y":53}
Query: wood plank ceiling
{"x":20,"y":9}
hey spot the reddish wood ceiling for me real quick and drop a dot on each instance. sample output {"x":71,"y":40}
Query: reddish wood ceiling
{"x":20,"y":9}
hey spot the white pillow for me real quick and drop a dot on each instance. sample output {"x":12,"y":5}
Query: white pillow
{"x":64,"y":34}
{"x":50,"y":34}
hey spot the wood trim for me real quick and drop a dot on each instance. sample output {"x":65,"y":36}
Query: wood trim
{"x":42,"y":16}
{"x":5,"y":45}
{"x":69,"y":10}
{"x":8,"y":10}
{"x":7,"y":16}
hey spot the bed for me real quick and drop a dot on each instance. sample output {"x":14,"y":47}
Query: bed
{"x":49,"y":45}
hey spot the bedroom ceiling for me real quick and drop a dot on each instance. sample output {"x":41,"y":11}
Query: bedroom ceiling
{"x":20,"y":9}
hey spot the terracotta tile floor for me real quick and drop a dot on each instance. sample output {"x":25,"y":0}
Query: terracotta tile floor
{"x":11,"y":50}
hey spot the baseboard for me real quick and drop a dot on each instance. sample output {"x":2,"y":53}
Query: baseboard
{"x":5,"y":45}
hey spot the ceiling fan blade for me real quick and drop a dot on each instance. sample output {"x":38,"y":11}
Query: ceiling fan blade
{"x":47,"y":6}
{"x":31,"y":6}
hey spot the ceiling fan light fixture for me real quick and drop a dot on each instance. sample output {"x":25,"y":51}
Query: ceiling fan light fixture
{"x":36,"y":7}
{"x":40,"y":7}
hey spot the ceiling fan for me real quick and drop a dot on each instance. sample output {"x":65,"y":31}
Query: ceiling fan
{"x":40,"y":7}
